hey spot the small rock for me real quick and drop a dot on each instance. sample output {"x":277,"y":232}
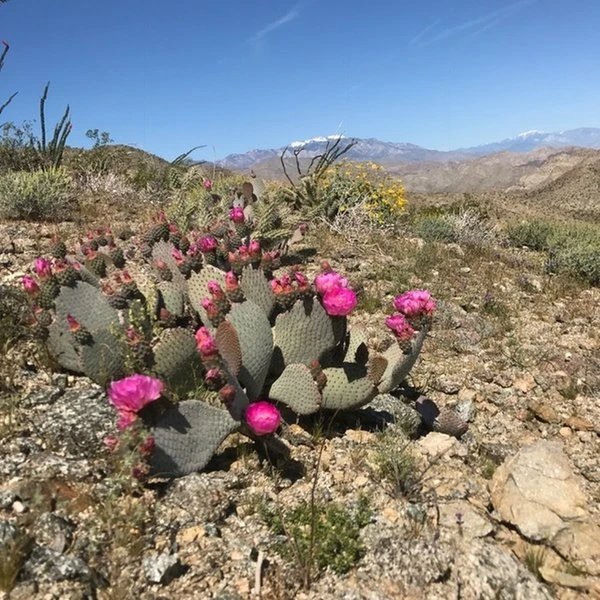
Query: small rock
{"x":543,"y":411}
{"x":565,"y":579}
{"x":465,"y":270}
{"x":47,"y":565}
{"x":361,"y":437}
{"x":436,"y":444}
{"x":162,"y":568}
{"x":18,"y":507}
{"x":537,"y":491}
{"x":462,"y":518}
{"x":579,"y":424}
{"x":579,"y":543}
{"x":7,"y":499}
{"x":53,"y":532}
{"x":525,"y":384}
{"x":446,"y":385}
{"x":565,"y":432}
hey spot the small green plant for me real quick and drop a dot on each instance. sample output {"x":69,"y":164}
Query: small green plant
{"x":397,"y":464}
{"x":320,"y":536}
{"x":535,"y":557}
{"x":14,"y":550}
{"x":534,"y":234}
{"x":38,"y":196}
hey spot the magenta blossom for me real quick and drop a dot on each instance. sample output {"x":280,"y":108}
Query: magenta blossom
{"x":205,"y":342}
{"x":254,"y":247}
{"x":400,"y":327}
{"x":215,"y":289}
{"x":132,"y":393}
{"x":262,"y":417}
{"x":415,"y":303}
{"x":30,"y":284}
{"x":236,"y":214}
{"x":328,"y":281}
{"x":42,"y":267}
{"x":207,"y":183}
{"x":339,"y":301}
{"x":208,"y":244}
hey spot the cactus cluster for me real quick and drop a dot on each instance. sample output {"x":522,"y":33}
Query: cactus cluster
{"x":209,"y":320}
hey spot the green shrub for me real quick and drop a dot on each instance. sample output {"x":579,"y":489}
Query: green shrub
{"x":320,"y":535}
{"x":533,"y":234}
{"x":39,"y":195}
{"x":583,"y":261}
{"x":437,"y":228}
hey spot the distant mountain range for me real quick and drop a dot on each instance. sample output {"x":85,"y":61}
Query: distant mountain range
{"x":392,"y":153}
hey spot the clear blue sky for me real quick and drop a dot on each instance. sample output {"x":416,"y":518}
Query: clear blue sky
{"x":237,"y":75}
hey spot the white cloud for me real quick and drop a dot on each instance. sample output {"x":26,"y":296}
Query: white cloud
{"x":294,"y":13}
{"x":472,"y":27}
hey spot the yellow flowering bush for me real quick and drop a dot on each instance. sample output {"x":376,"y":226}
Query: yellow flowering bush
{"x":348,"y":185}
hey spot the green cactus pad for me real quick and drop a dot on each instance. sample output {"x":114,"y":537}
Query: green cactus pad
{"x":62,"y":349}
{"x":177,"y":361}
{"x":162,"y":251}
{"x":377,"y":367}
{"x":103,"y":360}
{"x":197,"y":289}
{"x":256,"y":342}
{"x":303,"y":334}
{"x":296,"y":388}
{"x":400,"y":364}
{"x":228,"y":344}
{"x":88,"y":305}
{"x":347,"y":387}
{"x":357,"y":350}
{"x":186,"y":437}
{"x":172,"y":297}
{"x":255,"y":286}
{"x":88,"y":277}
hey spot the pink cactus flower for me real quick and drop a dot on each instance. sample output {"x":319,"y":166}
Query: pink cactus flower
{"x":30,"y":284}
{"x":177,"y":255}
{"x":231,"y":281}
{"x":339,"y":301}
{"x":207,"y":183}
{"x":132,"y":393}
{"x":111,"y":442}
{"x":42,"y":267}
{"x":146,"y":447}
{"x":208,"y":244}
{"x":400,"y":327}
{"x":236,"y":214}
{"x":328,"y":281}
{"x":74,"y":324}
{"x":205,"y":343}
{"x":415,"y":303}
{"x":126,"y":419}
{"x":215,"y":289}
{"x":262,"y":417}
{"x":301,"y":279}
{"x":254,"y":247}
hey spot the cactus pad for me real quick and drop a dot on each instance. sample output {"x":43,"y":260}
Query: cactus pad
{"x":197,"y":289}
{"x":61,"y":348}
{"x":296,"y":388}
{"x":303,"y":334}
{"x":171,"y":297}
{"x":162,"y":251}
{"x":400,"y":364}
{"x":255,"y":286}
{"x":88,"y":305}
{"x":256,"y":342}
{"x":103,"y":360}
{"x":177,"y":361}
{"x":186,"y":437}
{"x":229,"y":347}
{"x":347,"y":387}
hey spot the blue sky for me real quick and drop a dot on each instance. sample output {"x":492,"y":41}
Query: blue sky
{"x":237,"y":75}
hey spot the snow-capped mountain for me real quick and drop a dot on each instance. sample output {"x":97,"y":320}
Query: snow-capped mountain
{"x":376,"y":150}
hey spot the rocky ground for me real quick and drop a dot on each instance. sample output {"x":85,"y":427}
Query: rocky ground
{"x":509,"y":510}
